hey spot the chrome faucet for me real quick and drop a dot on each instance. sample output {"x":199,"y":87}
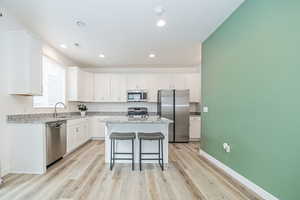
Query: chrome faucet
{"x":55,"y":108}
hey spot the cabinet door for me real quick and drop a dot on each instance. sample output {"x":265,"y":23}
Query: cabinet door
{"x":152,"y":87}
{"x":193,"y":83}
{"x":72,"y":83}
{"x":71,"y":138}
{"x":136,"y":81}
{"x":118,"y":88}
{"x":78,"y":137}
{"x":84,"y":129}
{"x":101,"y":132}
{"x":162,"y":81}
{"x":25,"y":70}
{"x":101,"y":87}
{"x":81,"y":94}
{"x":99,"y":128}
{"x":88,"y":83}
{"x":132,"y":81}
{"x":36,"y":71}
{"x":195,"y":127}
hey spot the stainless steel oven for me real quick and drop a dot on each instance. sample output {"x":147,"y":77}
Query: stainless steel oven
{"x":137,"y":95}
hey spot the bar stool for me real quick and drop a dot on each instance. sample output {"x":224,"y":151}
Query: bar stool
{"x":121,"y":136}
{"x":152,"y":136}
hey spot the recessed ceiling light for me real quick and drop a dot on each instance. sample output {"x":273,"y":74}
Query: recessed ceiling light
{"x":63,"y":46}
{"x":80,"y":23}
{"x":152,"y":55}
{"x":101,"y":55}
{"x":161,"y":23}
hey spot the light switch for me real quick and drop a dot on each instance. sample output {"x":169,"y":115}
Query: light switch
{"x":205,"y":109}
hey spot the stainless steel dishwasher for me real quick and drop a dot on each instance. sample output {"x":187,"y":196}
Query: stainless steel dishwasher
{"x":56,"y":139}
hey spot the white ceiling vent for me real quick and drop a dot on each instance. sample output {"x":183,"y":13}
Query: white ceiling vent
{"x":2,"y":12}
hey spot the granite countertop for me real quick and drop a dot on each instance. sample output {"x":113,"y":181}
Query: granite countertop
{"x":48,"y":117}
{"x":121,"y":117}
{"x":42,"y":120}
{"x":126,"y":120}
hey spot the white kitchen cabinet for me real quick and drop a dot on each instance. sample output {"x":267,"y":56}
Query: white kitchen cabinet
{"x":80,"y":85}
{"x":97,"y":128}
{"x":77,"y":133}
{"x":152,"y":87}
{"x":102,"y":87}
{"x":112,"y":87}
{"x":24,"y":59}
{"x":162,"y":81}
{"x":193,"y":83}
{"x":72,"y":132}
{"x":195,"y":128}
{"x":86,"y":82}
{"x":136,"y":81}
{"x":118,"y":87}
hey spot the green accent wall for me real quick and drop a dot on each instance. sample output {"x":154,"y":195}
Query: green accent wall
{"x":251,"y":85}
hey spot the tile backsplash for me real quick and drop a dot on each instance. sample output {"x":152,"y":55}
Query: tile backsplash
{"x":122,"y":107}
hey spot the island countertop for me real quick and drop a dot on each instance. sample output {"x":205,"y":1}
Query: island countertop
{"x":128,"y":120}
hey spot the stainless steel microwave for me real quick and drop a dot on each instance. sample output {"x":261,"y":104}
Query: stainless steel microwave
{"x":137,"y":95}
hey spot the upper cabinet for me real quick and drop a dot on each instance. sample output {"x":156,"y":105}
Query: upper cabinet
{"x":101,"y":87}
{"x":112,"y":87}
{"x":193,"y":83}
{"x":80,"y":85}
{"x":118,"y":87}
{"x":24,"y":60}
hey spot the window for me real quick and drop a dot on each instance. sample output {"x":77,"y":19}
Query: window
{"x":54,"y":85}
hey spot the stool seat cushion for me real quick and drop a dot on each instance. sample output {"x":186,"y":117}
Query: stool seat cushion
{"x":151,"y":136}
{"x":122,"y":136}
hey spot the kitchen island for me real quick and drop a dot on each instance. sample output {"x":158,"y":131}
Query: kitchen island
{"x":148,"y":125}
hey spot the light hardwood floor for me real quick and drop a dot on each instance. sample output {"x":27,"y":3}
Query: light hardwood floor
{"x":84,"y":175}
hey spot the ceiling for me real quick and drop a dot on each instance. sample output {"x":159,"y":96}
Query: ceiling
{"x":125,"y":31}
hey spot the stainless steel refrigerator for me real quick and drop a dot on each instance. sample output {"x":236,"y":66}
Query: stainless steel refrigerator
{"x":174,"y":105}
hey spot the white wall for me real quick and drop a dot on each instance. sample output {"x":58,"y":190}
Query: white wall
{"x":17,"y":104}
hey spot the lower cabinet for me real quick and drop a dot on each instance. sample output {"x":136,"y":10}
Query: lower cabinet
{"x":97,"y":128}
{"x":77,"y":133}
{"x":195,"y":128}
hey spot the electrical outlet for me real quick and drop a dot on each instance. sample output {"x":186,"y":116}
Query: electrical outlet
{"x":226,"y":147}
{"x":205,"y":109}
{"x":2,"y":12}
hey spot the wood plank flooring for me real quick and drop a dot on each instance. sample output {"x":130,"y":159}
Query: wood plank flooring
{"x":84,"y":175}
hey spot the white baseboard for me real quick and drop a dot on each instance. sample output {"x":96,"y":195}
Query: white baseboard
{"x":194,"y":139}
{"x":98,"y":138}
{"x":244,"y":181}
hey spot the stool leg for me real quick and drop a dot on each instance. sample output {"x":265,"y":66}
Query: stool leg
{"x":111,"y":146}
{"x":140,"y":155}
{"x":162,"y":154}
{"x":132,"y":154}
{"x":159,"y":152}
{"x":114,"y":143}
